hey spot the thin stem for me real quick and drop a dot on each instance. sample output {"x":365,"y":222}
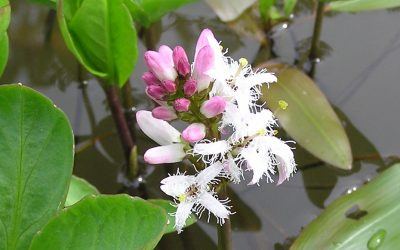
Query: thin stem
{"x":120,"y":120}
{"x":314,"y":51}
{"x":224,"y":230}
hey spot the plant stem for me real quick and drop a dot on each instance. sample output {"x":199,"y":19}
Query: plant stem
{"x":314,"y":51}
{"x":224,"y":230}
{"x":120,"y":120}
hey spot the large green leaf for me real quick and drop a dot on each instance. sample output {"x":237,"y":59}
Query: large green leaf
{"x":309,"y":118}
{"x":5,"y":12}
{"x":104,"y":222}
{"x":102,"y":36}
{"x":36,"y":158}
{"x":362,"y":5}
{"x":170,"y":209}
{"x":78,"y":189}
{"x":365,"y":219}
{"x":146,"y":12}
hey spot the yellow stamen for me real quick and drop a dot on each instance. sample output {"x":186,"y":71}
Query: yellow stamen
{"x":221,"y":48}
{"x":182,"y":197}
{"x":243,"y":62}
{"x":262,"y":131}
{"x":282,"y":104}
{"x":275,"y":132}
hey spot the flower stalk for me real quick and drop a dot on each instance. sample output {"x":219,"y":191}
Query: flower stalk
{"x":314,"y":50}
{"x":225,"y":230}
{"x":118,"y":114}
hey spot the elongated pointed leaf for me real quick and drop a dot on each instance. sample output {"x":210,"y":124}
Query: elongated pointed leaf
{"x":102,"y":36}
{"x":36,"y":158}
{"x":146,"y":12}
{"x":362,"y":5}
{"x":78,"y":189}
{"x":364,"y":219}
{"x":5,"y":12}
{"x":309,"y":118}
{"x":169,"y":209}
{"x":104,"y":222}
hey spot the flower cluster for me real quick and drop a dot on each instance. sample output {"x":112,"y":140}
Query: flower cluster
{"x":228,"y":131}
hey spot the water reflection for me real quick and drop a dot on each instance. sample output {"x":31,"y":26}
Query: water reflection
{"x":267,"y":217}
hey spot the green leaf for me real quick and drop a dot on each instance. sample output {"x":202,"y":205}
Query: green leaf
{"x":36,"y":158}
{"x":264,"y":8}
{"x":146,"y":12}
{"x":101,"y":35}
{"x":78,"y":189}
{"x":51,"y":3}
{"x":362,"y":5}
{"x":309,"y":118}
{"x":229,"y":10}
{"x":364,"y":219}
{"x":288,"y":6}
{"x":169,"y":209}
{"x":5,"y":13}
{"x":104,"y":222}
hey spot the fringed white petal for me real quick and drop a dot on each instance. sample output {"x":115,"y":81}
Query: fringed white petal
{"x":211,"y":148}
{"x":177,"y":185}
{"x":182,"y":214}
{"x":209,"y":174}
{"x":158,"y":130}
{"x":233,"y":170}
{"x":215,"y":206}
{"x":284,"y":155}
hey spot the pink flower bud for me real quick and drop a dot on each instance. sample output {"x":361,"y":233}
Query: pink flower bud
{"x":156,"y":92}
{"x":161,"y":63}
{"x":203,"y":63}
{"x":165,"y":154}
{"x":190,"y":87}
{"x":169,"y":85}
{"x":181,"y":61}
{"x":213,"y":107}
{"x":150,"y":79}
{"x":194,"y":132}
{"x":164,"y":113}
{"x":181,"y":104}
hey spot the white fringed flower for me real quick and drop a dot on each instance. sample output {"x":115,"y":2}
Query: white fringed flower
{"x":194,"y":194}
{"x":263,"y":154}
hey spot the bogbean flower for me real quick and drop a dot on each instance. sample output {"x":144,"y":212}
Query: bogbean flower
{"x":228,"y":129}
{"x":193,"y":193}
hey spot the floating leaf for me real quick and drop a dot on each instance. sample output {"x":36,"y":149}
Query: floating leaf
{"x":146,"y":12}
{"x":36,"y":158}
{"x":363,"y":219}
{"x":229,"y":10}
{"x":169,"y":209}
{"x":78,"y":189}
{"x":309,"y":118}
{"x":101,"y":35}
{"x":5,"y":12}
{"x":104,"y":222}
{"x":362,"y":5}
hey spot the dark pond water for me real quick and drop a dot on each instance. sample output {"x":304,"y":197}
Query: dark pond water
{"x":359,"y":73}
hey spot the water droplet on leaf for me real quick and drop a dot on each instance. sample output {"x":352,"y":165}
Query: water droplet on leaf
{"x":376,"y":239}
